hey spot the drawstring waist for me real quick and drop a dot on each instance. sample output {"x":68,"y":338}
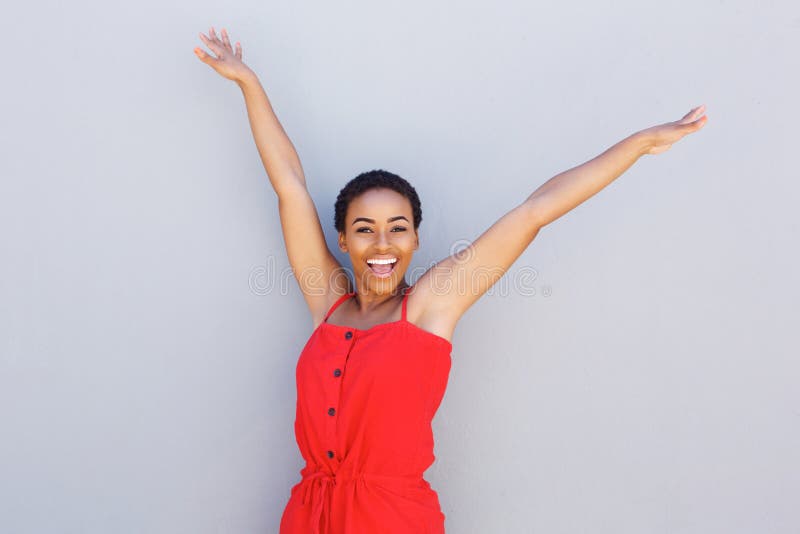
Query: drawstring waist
{"x":322,"y":482}
{"x":318,"y":484}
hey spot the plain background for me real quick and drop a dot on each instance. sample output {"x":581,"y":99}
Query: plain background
{"x":642,"y":375}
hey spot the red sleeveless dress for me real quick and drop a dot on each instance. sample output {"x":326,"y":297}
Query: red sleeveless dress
{"x":365,"y":402}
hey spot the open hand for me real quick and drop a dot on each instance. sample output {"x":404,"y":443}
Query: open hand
{"x":661,"y":138}
{"x":228,"y":62}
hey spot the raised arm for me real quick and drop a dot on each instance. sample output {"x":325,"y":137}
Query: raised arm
{"x":567,"y":190}
{"x":454,"y":284}
{"x":317,"y":271}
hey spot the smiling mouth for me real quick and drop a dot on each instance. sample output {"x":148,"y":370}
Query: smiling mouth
{"x":382,"y":270}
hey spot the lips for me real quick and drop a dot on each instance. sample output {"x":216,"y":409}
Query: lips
{"x":382,"y":270}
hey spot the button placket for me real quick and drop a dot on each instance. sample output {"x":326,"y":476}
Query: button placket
{"x":337,"y":372}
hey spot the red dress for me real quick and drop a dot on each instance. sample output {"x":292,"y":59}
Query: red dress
{"x":365,"y":402}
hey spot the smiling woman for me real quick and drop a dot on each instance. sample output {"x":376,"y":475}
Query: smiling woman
{"x":373,"y":372}
{"x":377,"y":215}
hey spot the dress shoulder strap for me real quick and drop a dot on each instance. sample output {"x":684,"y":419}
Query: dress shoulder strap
{"x":336,"y":304}
{"x":405,"y":301}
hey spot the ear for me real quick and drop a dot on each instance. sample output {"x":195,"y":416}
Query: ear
{"x":416,"y":238}
{"x":342,"y":242}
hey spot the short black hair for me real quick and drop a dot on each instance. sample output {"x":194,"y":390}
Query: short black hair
{"x":375,"y":179}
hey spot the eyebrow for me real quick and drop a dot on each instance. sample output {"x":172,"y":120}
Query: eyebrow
{"x":372,"y":221}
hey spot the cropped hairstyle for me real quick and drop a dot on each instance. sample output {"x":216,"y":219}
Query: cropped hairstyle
{"x":375,"y":179}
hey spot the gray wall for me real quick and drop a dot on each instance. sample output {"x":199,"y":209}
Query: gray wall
{"x":650,"y":383}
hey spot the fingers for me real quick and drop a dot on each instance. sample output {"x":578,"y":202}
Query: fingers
{"x":226,"y":41}
{"x":693,"y":115}
{"x":690,"y":126}
{"x":214,"y":45}
{"x":205,"y":58}
{"x":220,"y":46}
{"x":699,"y":123}
{"x":696,"y":119}
{"x":213,"y":34}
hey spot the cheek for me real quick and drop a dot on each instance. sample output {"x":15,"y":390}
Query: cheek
{"x":409,"y":237}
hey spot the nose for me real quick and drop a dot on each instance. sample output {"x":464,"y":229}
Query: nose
{"x":383,"y":240}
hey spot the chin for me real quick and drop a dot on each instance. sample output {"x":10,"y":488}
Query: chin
{"x":385,"y":285}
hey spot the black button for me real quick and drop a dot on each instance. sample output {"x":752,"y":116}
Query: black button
{"x":330,"y":454}
{"x":337,"y":372}
{"x":348,"y":335}
{"x":331,"y":411}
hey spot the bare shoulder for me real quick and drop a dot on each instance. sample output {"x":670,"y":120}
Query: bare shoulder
{"x":426,"y":311}
{"x":326,"y":302}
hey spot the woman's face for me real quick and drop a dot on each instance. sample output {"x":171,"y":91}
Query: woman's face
{"x":379,"y":225}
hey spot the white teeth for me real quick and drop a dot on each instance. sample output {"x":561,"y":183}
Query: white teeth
{"x":382,"y":262}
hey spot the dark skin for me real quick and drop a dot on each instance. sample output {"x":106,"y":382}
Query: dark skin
{"x":378,"y":223}
{"x":445,"y":291}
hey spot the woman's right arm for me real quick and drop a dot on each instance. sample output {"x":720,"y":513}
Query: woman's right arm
{"x":317,"y":271}
{"x":275,"y":148}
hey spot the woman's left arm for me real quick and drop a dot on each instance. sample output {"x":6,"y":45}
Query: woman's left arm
{"x":570,"y":188}
{"x":451,"y":286}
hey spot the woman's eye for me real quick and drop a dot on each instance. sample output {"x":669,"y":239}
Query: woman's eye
{"x":365,"y":229}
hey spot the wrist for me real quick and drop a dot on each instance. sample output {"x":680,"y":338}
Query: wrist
{"x":247,"y":78}
{"x":642,"y":142}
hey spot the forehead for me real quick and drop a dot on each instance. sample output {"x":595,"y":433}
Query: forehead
{"x":379,"y":202}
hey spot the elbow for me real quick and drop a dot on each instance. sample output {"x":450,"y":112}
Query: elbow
{"x":536,"y":213}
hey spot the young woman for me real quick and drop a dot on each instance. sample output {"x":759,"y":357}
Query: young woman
{"x":372,"y":374}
